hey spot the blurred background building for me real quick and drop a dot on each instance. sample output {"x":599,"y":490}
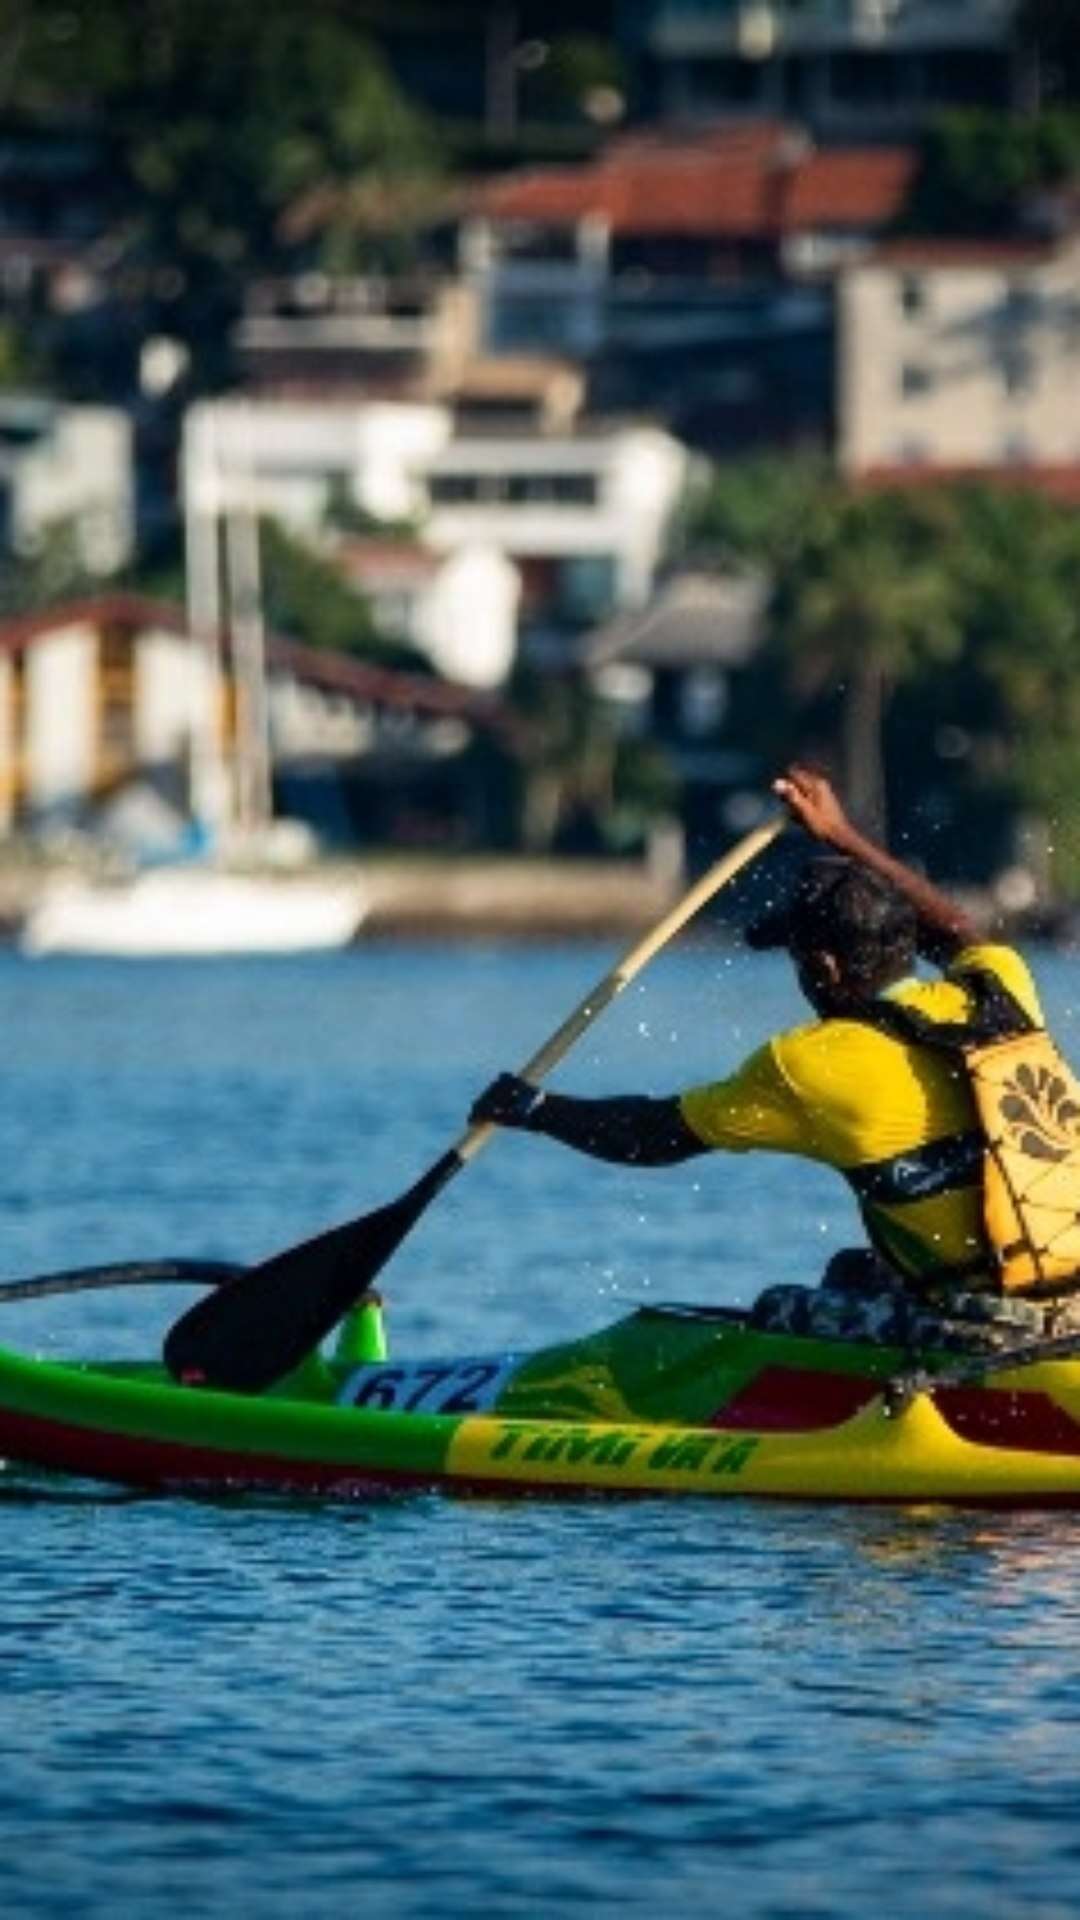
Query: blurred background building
{"x":525,"y":423}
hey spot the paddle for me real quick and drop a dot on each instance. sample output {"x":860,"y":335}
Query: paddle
{"x":130,"y":1273}
{"x":252,"y":1331}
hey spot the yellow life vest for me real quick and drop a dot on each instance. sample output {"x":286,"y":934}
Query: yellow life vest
{"x":1027,"y":1102}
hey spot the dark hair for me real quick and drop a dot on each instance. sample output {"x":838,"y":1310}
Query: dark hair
{"x":843,"y":908}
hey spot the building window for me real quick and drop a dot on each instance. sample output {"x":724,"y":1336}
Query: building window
{"x":515,"y":489}
{"x":912,"y":294}
{"x":454,"y":489}
{"x":702,"y":701}
{"x":574,"y":489}
{"x":551,"y":489}
{"x":915,"y":380}
{"x":587,"y":586}
{"x":1021,"y":305}
{"x":1017,"y":370}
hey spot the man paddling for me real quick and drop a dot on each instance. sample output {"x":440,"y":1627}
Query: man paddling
{"x":861,"y":1090}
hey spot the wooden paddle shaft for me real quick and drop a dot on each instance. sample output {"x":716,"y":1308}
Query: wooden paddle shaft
{"x":631,"y":964}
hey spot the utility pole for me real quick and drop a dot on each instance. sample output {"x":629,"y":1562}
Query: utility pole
{"x":500,"y":117}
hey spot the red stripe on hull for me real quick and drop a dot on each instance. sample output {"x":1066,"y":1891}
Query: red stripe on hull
{"x":795,"y":1400}
{"x":165,"y":1465}
{"x":1022,"y":1421}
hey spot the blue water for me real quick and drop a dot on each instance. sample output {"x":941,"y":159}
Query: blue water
{"x":439,"y":1709}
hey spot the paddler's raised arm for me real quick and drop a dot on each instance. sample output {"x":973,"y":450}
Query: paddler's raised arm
{"x":630,"y":1129}
{"x":943,"y":927}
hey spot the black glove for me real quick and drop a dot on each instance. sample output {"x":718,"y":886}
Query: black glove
{"x":509,"y":1102}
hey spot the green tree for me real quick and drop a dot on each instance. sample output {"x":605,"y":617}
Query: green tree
{"x":976,"y":166}
{"x":22,"y":364}
{"x":581,"y":788}
{"x":752,"y":512}
{"x":861,"y":600}
{"x":51,"y":570}
{"x":864,"y":604}
{"x":937,"y":629}
{"x":1017,"y":571}
{"x":305,"y":597}
{"x":218,"y":116}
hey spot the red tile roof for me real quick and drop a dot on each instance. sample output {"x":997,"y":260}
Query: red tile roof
{"x":850,"y":187}
{"x":373,"y":561}
{"x":755,"y":182}
{"x":344,"y":673}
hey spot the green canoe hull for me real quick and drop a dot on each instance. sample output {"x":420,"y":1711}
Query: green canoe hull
{"x":667,"y":1400}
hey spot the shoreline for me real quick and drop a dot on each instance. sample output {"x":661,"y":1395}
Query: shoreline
{"x":424,"y":898}
{"x":490,"y":897}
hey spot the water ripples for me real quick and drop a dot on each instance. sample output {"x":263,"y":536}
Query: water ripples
{"x":435,"y":1709}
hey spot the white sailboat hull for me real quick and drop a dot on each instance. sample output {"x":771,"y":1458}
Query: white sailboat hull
{"x":186,"y":911}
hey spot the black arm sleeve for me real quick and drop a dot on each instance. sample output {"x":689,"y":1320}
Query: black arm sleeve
{"x":629,"y":1129}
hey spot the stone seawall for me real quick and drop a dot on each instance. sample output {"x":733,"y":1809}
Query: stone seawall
{"x":513,"y":899}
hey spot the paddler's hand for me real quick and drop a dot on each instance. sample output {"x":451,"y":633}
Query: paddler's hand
{"x":812,"y":803}
{"x":509,"y":1102}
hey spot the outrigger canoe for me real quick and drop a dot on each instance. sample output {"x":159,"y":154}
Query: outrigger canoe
{"x":668,"y":1400}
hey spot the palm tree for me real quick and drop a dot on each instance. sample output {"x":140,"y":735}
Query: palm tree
{"x":1017,"y":568}
{"x":862,"y":604}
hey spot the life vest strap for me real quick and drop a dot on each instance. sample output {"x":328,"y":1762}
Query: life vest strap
{"x":995,"y":1015}
{"x":942,"y":1165}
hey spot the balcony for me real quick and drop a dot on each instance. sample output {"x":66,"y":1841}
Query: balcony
{"x":756,"y":29}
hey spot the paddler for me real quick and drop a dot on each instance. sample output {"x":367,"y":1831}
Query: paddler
{"x":862,"y":1089}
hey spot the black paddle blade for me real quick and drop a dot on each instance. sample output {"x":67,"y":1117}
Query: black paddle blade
{"x":258,"y":1327}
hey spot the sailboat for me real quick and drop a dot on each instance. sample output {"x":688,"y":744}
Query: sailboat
{"x":246,"y":889}
{"x":184,"y":911}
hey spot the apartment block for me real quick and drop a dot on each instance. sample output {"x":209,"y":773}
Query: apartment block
{"x":961,"y":356}
{"x":844,"y":67}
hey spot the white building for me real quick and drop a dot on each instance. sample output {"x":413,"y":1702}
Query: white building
{"x":554,"y":525}
{"x":99,"y":693}
{"x":69,"y":464}
{"x":289,"y":457}
{"x":412,"y":336}
{"x":960,"y":355}
{"x":460,"y":607}
{"x":583,"y":515}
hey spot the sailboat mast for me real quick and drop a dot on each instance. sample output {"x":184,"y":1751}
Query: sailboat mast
{"x":254,"y":782}
{"x":209,"y":798}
